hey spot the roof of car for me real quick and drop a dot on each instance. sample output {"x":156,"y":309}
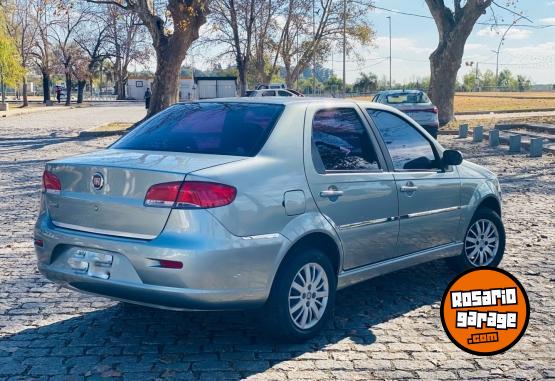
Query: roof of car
{"x":400,"y":91}
{"x":302,"y":100}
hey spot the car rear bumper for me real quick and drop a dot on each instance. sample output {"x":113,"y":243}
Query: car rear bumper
{"x":219,"y":271}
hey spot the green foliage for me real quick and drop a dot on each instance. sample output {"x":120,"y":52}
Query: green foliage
{"x":506,"y":80}
{"x":366,"y":83}
{"x":11,"y":71}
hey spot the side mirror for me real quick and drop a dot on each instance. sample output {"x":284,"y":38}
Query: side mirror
{"x":451,"y":157}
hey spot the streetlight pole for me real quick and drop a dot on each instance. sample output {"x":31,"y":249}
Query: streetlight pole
{"x":344,"y":45}
{"x":389,"y":18}
{"x":499,"y":49}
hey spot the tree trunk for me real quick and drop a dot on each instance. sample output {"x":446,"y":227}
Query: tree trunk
{"x":68,"y":89}
{"x":444,"y":65}
{"x":45,"y":86}
{"x":3,"y":90}
{"x":80,"y":89}
{"x":24,"y":91}
{"x":120,"y":88}
{"x":165,"y":86}
{"x":242,"y":79}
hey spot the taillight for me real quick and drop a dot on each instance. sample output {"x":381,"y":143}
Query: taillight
{"x":51,"y":183}
{"x":190,"y":194}
{"x":433,"y":109}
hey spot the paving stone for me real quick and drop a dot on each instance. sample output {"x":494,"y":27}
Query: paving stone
{"x":386,"y":328}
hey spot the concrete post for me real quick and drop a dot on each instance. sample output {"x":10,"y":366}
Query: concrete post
{"x":478,"y":134}
{"x":536,"y":147}
{"x":493,"y":138}
{"x":515,"y":143}
{"x":463,"y":130}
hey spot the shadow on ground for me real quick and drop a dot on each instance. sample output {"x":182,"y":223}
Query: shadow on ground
{"x":114,"y":341}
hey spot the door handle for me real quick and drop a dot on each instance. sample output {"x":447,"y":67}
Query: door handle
{"x":331,"y":193}
{"x":409,"y":187}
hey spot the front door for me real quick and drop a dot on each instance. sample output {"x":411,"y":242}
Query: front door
{"x":350,"y":183}
{"x":429,"y":197}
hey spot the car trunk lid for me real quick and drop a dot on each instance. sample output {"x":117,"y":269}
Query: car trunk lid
{"x":114,"y":205}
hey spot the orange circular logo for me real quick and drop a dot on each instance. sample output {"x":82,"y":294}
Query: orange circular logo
{"x":485,"y":311}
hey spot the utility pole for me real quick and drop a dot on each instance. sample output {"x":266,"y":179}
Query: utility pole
{"x":344,"y":45}
{"x":389,"y":18}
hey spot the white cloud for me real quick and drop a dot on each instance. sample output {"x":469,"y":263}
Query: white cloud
{"x":402,"y":44}
{"x":471,"y":46}
{"x":548,"y":20}
{"x":513,"y":34}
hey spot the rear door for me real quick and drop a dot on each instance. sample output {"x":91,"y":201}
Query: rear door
{"x":429,"y":197}
{"x":350,"y":183}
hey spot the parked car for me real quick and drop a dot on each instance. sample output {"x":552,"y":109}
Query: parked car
{"x":414,"y":103}
{"x":274,"y":93}
{"x":264,"y":86}
{"x":276,"y":203}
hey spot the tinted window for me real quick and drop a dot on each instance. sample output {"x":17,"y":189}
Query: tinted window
{"x":408,"y":149}
{"x":212,"y":128}
{"x":341,"y":142}
{"x":414,"y":97}
{"x":270,"y":93}
{"x":284,"y":93}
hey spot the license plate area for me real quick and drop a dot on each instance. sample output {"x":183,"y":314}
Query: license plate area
{"x":92,"y":263}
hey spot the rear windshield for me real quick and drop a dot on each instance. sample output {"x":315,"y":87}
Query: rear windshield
{"x":408,"y":98}
{"x":213,"y":128}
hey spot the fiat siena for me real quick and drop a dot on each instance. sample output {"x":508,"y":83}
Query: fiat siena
{"x":273,"y":203}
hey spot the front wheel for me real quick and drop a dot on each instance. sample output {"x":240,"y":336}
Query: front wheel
{"x":303,"y":295}
{"x":484,"y":242}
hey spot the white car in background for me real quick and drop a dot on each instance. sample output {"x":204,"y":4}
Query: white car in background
{"x":414,"y":103}
{"x":274,"y":93}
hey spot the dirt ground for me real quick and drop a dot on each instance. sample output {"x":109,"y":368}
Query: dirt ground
{"x":475,"y":102}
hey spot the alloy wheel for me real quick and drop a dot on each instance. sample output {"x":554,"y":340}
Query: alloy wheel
{"x":481,"y":243}
{"x":308,"y":296}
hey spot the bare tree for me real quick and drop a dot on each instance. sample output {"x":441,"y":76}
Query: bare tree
{"x":313,"y":28}
{"x":232,"y":23}
{"x":22,"y":28}
{"x":43,"y":17}
{"x":127,"y":42}
{"x":64,"y":32}
{"x":94,"y":44}
{"x":173,"y":26}
{"x":454,"y":25}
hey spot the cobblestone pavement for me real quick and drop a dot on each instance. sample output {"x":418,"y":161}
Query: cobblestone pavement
{"x":388,"y":327}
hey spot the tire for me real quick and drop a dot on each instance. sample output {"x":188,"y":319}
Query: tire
{"x":282,"y":313}
{"x":483,"y":252}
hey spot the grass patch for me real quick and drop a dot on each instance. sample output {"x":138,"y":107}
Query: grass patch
{"x":112,"y":127}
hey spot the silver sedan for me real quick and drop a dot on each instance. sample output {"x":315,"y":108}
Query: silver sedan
{"x":273,"y":203}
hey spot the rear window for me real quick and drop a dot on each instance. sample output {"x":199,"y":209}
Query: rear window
{"x":239,"y":129}
{"x":407,"y":98}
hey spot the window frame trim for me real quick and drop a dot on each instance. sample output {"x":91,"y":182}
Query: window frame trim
{"x":374,"y":142}
{"x":385,"y":150}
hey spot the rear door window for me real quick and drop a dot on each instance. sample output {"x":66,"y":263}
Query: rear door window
{"x":212,"y":128}
{"x":408,"y":148}
{"x":340,"y":142}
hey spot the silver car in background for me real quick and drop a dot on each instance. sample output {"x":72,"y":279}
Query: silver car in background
{"x":273,"y":203}
{"x":414,"y":103}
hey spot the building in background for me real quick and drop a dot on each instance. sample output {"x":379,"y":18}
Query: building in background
{"x":189,"y":88}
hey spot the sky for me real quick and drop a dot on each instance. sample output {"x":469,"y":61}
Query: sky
{"x":526,"y":51}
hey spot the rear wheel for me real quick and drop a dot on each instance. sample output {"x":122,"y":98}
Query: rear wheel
{"x":303,"y":295}
{"x":484,"y":242}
